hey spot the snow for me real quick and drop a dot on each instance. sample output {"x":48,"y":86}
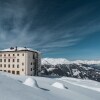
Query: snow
{"x":19,"y":49}
{"x":92,"y":85}
{"x":31,"y":82}
{"x":12,"y":88}
{"x":58,"y":85}
{"x":86,"y":62}
{"x":50,"y":69}
{"x":55,"y":61}
{"x":75,"y":72}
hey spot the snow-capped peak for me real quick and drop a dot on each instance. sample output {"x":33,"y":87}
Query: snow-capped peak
{"x":55,"y":61}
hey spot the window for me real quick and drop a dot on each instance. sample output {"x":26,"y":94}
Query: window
{"x":4,"y":65}
{"x":4,"y":60}
{"x":22,"y":69}
{"x":13,"y":54}
{"x":9,"y":66}
{"x":17,"y":72}
{"x":4,"y":54}
{"x":17,"y":54}
{"x":4,"y":70}
{"x":31,"y":69}
{"x":0,"y":55}
{"x":9,"y":71}
{"x":22,"y":63}
{"x":0,"y":60}
{"x":31,"y":63}
{"x":33,"y":56}
{"x":0,"y":70}
{"x":8,"y":54}
{"x":13,"y":60}
{"x":17,"y":60}
{"x":23,"y":54}
{"x":13,"y":65}
{"x":0,"y":65}
{"x":17,"y":66}
{"x":13,"y":72}
{"x":8,"y":60}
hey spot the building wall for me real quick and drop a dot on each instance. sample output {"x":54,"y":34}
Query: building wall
{"x":30,"y":63}
{"x":13,"y":61}
{"x":33,"y":63}
{"x":25,"y":65}
{"x":39,"y":63}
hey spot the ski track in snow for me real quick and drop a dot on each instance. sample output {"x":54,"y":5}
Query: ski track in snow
{"x":84,"y":86}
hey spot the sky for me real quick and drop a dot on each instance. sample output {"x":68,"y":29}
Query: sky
{"x":58,"y":28}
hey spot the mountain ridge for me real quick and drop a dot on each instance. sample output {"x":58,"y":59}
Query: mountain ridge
{"x":55,"y":61}
{"x":77,"y":69}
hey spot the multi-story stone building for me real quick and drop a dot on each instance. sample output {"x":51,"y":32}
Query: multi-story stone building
{"x":20,"y":61}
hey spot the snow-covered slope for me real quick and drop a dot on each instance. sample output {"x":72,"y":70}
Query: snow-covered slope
{"x":12,"y":88}
{"x":55,"y":61}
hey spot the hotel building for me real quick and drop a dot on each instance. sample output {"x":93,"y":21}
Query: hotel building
{"x":20,"y":61}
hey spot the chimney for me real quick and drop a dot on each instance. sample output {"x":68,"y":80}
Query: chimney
{"x":25,"y":48}
{"x":11,"y":48}
{"x":16,"y":48}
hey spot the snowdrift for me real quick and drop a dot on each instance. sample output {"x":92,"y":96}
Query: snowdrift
{"x":31,"y":82}
{"x":58,"y":85}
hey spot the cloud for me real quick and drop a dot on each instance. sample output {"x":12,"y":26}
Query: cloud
{"x":36,"y":24}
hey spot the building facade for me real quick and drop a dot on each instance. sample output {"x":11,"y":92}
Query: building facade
{"x":20,"y":61}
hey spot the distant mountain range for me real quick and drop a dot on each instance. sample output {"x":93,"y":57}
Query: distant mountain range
{"x":78,"y":69}
{"x":55,"y":61}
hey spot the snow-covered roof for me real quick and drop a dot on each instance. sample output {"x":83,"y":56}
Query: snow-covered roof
{"x":18,"y":49}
